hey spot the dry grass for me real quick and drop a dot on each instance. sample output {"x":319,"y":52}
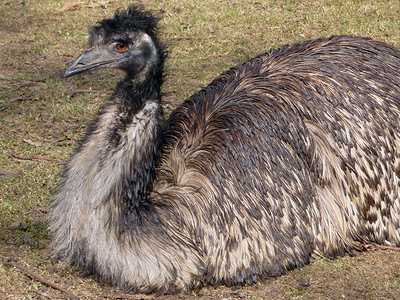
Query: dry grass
{"x":39,"y":123}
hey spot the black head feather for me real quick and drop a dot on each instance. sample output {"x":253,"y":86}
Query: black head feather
{"x":135,"y":18}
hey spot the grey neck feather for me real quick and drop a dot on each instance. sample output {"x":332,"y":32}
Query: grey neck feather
{"x":110,"y":176}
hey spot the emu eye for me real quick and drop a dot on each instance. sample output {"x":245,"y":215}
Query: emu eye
{"x":121,"y":47}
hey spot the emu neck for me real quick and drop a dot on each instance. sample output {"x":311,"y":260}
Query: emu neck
{"x":106,"y":183}
{"x":132,"y":94}
{"x":134,"y":141}
{"x":112,"y":173}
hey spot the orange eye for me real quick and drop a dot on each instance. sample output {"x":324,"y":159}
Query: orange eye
{"x":121,"y":47}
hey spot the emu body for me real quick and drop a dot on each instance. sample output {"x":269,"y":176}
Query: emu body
{"x":292,"y":154}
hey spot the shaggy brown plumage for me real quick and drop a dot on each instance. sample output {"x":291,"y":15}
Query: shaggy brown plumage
{"x":293,"y":153}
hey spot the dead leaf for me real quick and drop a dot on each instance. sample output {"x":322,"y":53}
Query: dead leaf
{"x":44,"y":209}
{"x":32,"y":143}
{"x":101,"y":4}
{"x":71,"y":6}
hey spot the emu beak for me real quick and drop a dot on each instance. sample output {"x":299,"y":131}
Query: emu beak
{"x":88,"y":60}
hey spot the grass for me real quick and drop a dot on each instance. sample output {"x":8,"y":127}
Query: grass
{"x":38,"y":121}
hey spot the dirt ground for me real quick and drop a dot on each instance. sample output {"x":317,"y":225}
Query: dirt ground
{"x":39,"y":126}
{"x":373,"y":274}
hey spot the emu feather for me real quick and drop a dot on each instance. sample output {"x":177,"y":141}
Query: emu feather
{"x":292,"y":154}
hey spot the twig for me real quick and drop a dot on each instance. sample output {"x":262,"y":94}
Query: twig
{"x":241,"y":50}
{"x":61,"y":140}
{"x":126,"y":296}
{"x":363,"y":246}
{"x":386,"y":247}
{"x":42,"y":294}
{"x":73,"y":93}
{"x":38,"y":278}
{"x":177,"y":38}
{"x":208,"y":57}
{"x":37,"y":158}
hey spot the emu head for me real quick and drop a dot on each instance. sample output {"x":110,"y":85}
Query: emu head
{"x":128,"y":42}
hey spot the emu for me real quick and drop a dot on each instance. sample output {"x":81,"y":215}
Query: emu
{"x":290,"y":155}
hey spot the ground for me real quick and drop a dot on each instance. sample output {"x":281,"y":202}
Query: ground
{"x":40,"y":124}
